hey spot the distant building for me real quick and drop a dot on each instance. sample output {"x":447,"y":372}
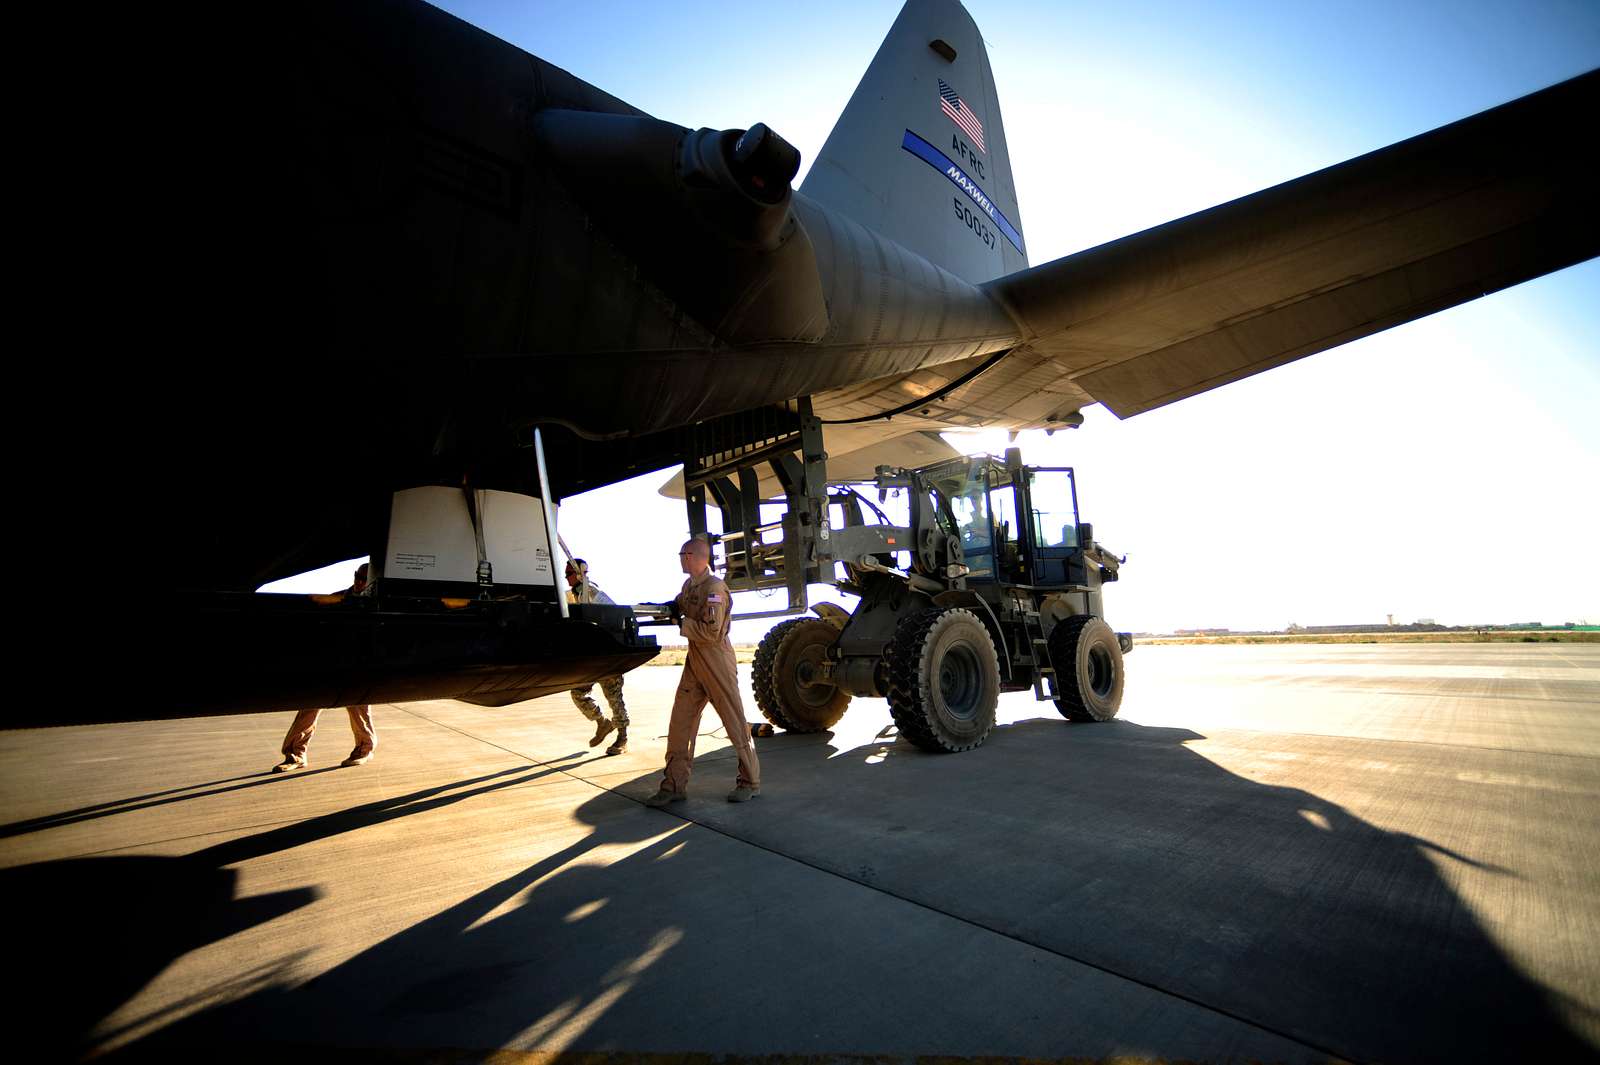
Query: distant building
{"x":1419,"y":626}
{"x":1423,"y":621}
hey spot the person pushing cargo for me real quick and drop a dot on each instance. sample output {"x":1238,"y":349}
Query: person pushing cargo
{"x":583,"y":590}
{"x":710,"y":672}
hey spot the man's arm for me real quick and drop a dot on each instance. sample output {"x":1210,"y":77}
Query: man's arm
{"x":707,"y":627}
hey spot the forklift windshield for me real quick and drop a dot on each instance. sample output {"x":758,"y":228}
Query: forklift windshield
{"x":968,"y":496}
{"x":1007,"y":529}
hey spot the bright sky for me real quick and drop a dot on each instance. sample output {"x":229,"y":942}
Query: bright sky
{"x":1446,"y":469}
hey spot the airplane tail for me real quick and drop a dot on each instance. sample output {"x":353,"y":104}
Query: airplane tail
{"x":919,"y":154}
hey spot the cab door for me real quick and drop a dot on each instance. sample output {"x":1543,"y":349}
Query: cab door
{"x":1050,"y":498}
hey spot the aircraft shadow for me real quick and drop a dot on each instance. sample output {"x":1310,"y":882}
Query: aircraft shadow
{"x":1113,"y":845}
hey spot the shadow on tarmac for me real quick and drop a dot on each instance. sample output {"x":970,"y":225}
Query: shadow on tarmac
{"x":152,"y":799}
{"x":97,"y":930}
{"x":1148,"y":862}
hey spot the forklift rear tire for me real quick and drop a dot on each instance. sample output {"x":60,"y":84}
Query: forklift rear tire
{"x":782,"y":661}
{"x":944,"y":680}
{"x":1088,"y":661}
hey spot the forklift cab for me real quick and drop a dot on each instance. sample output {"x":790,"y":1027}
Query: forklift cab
{"x":1018,"y":525}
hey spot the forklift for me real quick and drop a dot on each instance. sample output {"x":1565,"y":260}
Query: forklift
{"x":991,"y":585}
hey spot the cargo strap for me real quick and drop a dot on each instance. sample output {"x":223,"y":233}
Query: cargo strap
{"x":485,"y":568}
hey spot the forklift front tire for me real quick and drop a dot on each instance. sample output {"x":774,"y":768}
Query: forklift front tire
{"x":1087,"y":657}
{"x":944,"y":680}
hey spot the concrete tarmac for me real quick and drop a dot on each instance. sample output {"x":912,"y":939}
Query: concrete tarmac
{"x":1296,"y":853}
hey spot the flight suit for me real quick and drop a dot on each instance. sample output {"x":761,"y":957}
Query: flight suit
{"x":710,"y":672}
{"x":305,"y":722}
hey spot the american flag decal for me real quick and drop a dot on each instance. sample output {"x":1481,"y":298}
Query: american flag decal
{"x":960,"y":114}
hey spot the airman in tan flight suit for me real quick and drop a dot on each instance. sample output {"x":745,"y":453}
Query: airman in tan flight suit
{"x":710,"y":672}
{"x":582,"y":590}
{"x":305,"y":722}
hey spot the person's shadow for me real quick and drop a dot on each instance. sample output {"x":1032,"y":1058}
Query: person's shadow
{"x":151,"y":800}
{"x":96,"y":930}
{"x":1145,"y":861}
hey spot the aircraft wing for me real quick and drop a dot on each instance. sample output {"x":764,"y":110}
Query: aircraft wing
{"x":1442,"y":218}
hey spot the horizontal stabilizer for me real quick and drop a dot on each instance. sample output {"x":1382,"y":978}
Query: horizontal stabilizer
{"x":1414,"y":228}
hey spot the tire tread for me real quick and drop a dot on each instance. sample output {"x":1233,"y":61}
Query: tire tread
{"x":910,"y":674}
{"x":1064,"y":641}
{"x":761,"y":676}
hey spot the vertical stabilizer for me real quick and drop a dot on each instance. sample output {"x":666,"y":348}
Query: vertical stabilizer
{"x":919,"y":154}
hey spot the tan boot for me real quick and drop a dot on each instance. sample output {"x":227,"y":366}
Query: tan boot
{"x":620,"y":744}
{"x":602,"y":729}
{"x":289,"y":765}
{"x":359,"y":756}
{"x":662,"y":797}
